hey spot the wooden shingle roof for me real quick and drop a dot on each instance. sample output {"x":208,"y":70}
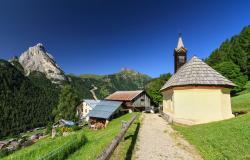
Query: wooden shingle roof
{"x":197,"y":72}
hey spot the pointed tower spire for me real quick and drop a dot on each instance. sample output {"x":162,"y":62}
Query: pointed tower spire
{"x":180,"y":54}
{"x":180,"y":42}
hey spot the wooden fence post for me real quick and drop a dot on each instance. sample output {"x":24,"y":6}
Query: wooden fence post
{"x":106,"y":154}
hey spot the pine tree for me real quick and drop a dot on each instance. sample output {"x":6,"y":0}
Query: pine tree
{"x":68,"y":101}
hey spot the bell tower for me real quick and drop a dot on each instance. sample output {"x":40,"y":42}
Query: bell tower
{"x":180,"y":54}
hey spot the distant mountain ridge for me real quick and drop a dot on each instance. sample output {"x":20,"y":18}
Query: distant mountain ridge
{"x":37,"y":59}
{"x":107,"y":84}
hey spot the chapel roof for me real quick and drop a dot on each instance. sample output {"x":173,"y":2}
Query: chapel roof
{"x":197,"y":72}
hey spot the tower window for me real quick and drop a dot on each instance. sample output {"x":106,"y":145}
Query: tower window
{"x":182,"y":59}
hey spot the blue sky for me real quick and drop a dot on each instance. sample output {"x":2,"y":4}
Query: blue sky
{"x":103,"y":36}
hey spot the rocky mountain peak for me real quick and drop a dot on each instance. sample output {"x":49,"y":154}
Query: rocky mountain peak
{"x":128,"y":70}
{"x":36,"y":58}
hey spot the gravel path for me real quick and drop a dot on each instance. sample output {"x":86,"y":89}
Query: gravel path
{"x":158,"y":141}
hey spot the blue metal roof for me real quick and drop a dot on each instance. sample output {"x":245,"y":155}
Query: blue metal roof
{"x":91,"y":102}
{"x":105,"y":109}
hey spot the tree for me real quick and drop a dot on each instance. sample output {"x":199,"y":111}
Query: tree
{"x":25,"y":102}
{"x":154,"y":86}
{"x":248,"y":65}
{"x":235,"y":49}
{"x":68,"y":101}
{"x":232,"y":72}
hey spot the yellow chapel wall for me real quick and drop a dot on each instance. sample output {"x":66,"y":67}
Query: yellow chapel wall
{"x":197,"y":105}
{"x":167,"y":101}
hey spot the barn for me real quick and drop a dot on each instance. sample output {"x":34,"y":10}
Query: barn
{"x":136,"y":100}
{"x":103,"y":112}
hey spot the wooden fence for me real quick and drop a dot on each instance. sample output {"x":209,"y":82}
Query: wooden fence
{"x":106,"y":154}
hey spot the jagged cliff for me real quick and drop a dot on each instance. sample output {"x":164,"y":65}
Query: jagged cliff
{"x":36,"y":58}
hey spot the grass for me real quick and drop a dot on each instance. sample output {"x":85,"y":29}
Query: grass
{"x":241,"y":103}
{"x":84,"y":144}
{"x":60,"y":146}
{"x":98,"y":140}
{"x":229,"y":139}
{"x":246,"y":90}
{"x":126,"y":148}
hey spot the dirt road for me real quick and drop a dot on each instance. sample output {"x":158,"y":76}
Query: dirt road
{"x":158,"y":141}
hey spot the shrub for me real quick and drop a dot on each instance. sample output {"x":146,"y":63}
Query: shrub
{"x":66,"y":129}
{"x":76,"y":128}
{"x":232,"y":72}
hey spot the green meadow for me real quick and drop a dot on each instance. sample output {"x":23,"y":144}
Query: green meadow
{"x":84,"y":144}
{"x":98,"y":140}
{"x":241,"y":103}
{"x":48,"y":148}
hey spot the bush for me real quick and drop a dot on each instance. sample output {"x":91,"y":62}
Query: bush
{"x":3,"y":153}
{"x":154,"y":86}
{"x":76,"y":128}
{"x":66,"y":129}
{"x":49,"y":128}
{"x":232,"y":72}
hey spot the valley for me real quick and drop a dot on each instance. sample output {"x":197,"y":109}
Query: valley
{"x":36,"y":92}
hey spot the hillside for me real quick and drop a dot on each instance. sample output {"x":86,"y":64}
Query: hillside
{"x":232,"y":58}
{"x":25,"y":102}
{"x":246,"y":89}
{"x":107,"y":84}
{"x":241,"y":102}
{"x":30,"y":86}
{"x":79,"y":144}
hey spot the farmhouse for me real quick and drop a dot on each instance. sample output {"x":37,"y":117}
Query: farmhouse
{"x":196,"y":93}
{"x":85,"y":107}
{"x":135,"y":100}
{"x":103,"y":112}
